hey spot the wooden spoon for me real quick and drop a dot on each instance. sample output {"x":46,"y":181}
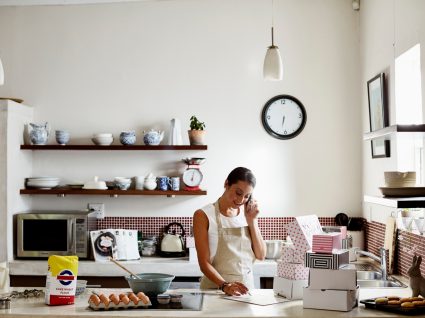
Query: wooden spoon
{"x":124,"y":268}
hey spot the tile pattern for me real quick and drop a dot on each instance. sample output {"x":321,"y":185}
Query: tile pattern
{"x":272,"y":228}
{"x":407,"y":244}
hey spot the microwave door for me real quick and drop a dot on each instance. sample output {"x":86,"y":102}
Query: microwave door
{"x":42,"y":237}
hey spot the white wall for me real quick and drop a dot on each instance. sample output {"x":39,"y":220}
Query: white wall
{"x":114,"y":67}
{"x":383,"y":23}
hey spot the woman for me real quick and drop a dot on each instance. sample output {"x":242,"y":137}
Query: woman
{"x":227,"y":236}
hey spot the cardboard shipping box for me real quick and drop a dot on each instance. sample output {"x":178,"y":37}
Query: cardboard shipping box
{"x":330,"y":299}
{"x":301,"y":231}
{"x":292,"y":270}
{"x":291,"y":255}
{"x":289,"y":288}
{"x":344,"y":279}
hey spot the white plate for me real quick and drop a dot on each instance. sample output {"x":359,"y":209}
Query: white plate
{"x":90,"y":188}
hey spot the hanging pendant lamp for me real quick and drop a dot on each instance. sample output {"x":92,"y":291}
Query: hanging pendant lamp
{"x":273,"y":68}
{"x":1,"y":74}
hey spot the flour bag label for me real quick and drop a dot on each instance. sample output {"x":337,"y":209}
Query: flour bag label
{"x":61,"y":280}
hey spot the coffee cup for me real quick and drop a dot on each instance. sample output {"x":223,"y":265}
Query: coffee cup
{"x":174,"y":183}
{"x":162,"y":183}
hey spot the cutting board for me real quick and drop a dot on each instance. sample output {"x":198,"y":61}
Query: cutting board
{"x":257,"y":298}
{"x":390,"y":240}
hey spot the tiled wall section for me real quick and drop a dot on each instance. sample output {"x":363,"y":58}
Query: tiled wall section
{"x":272,"y":228}
{"x":405,"y":247}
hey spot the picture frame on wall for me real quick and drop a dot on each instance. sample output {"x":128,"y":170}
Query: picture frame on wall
{"x":378,"y":114}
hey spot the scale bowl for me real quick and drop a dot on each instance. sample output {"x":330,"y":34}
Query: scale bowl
{"x":194,"y":161}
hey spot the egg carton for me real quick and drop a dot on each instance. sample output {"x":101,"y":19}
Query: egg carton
{"x":121,"y":305}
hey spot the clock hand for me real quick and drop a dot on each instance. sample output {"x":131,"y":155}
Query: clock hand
{"x":283,"y":120}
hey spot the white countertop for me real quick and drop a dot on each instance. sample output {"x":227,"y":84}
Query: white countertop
{"x":175,"y":266}
{"x":214,"y":306}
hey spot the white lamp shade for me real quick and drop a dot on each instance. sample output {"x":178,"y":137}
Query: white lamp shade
{"x":1,"y":74}
{"x":273,"y":69}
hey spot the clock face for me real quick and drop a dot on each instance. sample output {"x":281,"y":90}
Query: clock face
{"x":192,"y":177}
{"x":284,"y":117}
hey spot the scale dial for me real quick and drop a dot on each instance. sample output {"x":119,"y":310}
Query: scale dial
{"x":192,"y":177}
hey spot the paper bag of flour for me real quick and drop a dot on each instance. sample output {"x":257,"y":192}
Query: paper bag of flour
{"x":61,"y":280}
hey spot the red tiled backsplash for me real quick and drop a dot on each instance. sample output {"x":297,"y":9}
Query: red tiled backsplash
{"x":405,"y":247}
{"x":272,"y":228}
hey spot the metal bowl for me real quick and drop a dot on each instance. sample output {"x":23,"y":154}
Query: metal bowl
{"x":194,"y":161}
{"x":151,"y":284}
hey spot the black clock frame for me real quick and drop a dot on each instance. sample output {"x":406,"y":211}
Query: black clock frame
{"x":269,"y":130}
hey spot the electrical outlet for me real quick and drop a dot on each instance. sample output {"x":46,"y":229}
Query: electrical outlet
{"x":99,"y":208}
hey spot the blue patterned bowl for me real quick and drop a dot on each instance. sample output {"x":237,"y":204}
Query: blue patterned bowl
{"x":128,"y":138}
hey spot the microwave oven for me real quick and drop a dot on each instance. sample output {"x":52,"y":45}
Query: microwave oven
{"x":41,"y":234}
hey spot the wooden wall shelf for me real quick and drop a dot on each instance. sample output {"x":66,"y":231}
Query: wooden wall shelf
{"x":398,"y":203}
{"x":61,"y":192}
{"x":112,"y":147}
{"x":415,"y":131}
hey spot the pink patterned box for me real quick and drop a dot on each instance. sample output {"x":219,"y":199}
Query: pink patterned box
{"x":301,"y":231}
{"x":190,"y":241}
{"x":326,"y":242}
{"x":292,"y":270}
{"x":291,"y":255}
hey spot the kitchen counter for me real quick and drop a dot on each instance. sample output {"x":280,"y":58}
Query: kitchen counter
{"x":214,"y":306}
{"x":176,"y":266}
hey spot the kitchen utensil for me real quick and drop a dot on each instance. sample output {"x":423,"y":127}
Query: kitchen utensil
{"x":4,"y":303}
{"x":39,"y":133}
{"x":128,"y":137}
{"x":172,"y":244}
{"x":390,"y":241}
{"x":153,"y":137}
{"x":125,"y":268}
{"x":151,"y":284}
{"x":341,"y":219}
{"x":105,"y":243}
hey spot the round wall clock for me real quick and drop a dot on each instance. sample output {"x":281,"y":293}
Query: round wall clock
{"x":284,"y":117}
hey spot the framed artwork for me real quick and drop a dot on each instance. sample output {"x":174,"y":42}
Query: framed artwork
{"x":378,"y":114}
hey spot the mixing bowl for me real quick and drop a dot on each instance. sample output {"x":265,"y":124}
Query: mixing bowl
{"x":151,"y":284}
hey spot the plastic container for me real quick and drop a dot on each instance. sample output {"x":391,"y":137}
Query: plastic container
{"x":163,"y":299}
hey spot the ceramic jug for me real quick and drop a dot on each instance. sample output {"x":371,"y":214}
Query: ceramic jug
{"x":39,"y":133}
{"x":153,"y":137}
{"x":150,"y":182}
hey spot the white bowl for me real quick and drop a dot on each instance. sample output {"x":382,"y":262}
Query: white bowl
{"x":103,"y":135}
{"x":42,"y":184}
{"x":400,"y":179}
{"x":122,"y":180}
{"x":103,"y":141}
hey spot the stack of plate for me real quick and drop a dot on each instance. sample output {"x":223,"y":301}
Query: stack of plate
{"x":42,"y":182}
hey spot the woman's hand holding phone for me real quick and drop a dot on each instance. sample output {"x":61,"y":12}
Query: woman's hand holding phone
{"x":251,"y":209}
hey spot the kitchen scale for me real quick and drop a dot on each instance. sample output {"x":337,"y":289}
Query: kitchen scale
{"x":192,"y":177}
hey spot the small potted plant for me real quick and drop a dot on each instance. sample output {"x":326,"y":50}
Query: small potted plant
{"x":196,"y":132}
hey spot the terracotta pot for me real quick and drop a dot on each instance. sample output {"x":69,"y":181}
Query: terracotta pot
{"x":196,"y":137}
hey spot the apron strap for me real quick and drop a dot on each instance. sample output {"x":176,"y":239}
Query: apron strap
{"x":217,"y":216}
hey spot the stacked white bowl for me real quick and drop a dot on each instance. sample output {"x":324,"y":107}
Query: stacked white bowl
{"x":399,"y":179}
{"x":103,"y":139}
{"x":42,"y":182}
